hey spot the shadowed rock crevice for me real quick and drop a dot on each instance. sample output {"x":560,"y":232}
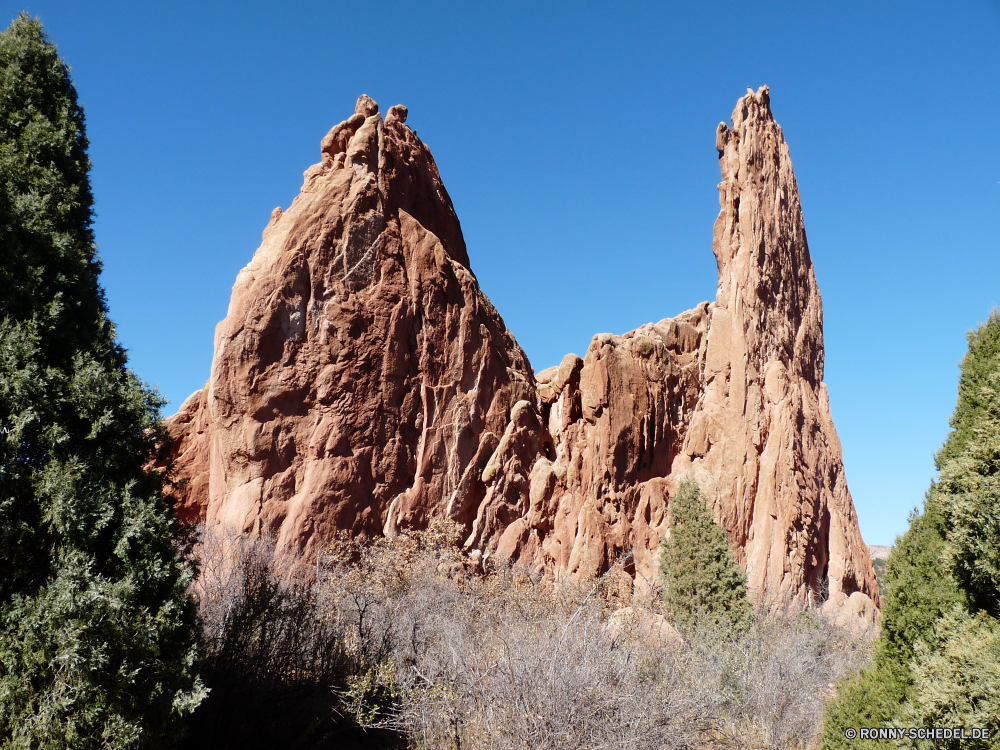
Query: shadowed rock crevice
{"x":363,"y":381}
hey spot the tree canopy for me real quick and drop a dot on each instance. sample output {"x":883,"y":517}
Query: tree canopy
{"x":937,"y":661}
{"x":96,"y":637}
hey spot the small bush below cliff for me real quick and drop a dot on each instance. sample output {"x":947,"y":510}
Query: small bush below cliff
{"x":705,"y":586}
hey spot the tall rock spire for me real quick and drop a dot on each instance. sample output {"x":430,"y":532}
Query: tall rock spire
{"x":763,"y":430}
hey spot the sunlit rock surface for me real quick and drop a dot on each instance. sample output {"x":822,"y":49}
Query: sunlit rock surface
{"x":362,"y":381}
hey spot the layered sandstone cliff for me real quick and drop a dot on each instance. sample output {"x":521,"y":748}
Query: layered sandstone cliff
{"x":362,"y":381}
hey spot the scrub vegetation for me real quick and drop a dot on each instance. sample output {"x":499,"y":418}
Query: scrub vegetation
{"x":423,"y":650}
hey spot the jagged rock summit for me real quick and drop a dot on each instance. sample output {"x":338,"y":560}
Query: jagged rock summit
{"x":363,"y":381}
{"x":360,"y":377}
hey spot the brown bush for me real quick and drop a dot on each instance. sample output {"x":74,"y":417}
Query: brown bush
{"x":271,"y":653}
{"x":503,"y":660}
{"x":412,"y":641}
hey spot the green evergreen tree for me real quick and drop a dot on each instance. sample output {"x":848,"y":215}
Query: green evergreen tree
{"x":937,"y":661}
{"x":978,"y":367}
{"x":918,"y":593}
{"x":872,"y":698}
{"x":918,"y":589}
{"x":956,"y":675}
{"x":968,"y":490}
{"x":705,"y":586}
{"x":96,"y":628}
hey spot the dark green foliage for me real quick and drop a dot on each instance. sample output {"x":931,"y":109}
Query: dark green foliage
{"x":48,"y":277}
{"x":978,"y":367}
{"x":705,"y":586}
{"x":870,"y":699}
{"x":968,"y":490}
{"x":95,"y":624}
{"x":956,"y":675}
{"x":917,"y":592}
{"x":918,"y":589}
{"x":938,"y":658}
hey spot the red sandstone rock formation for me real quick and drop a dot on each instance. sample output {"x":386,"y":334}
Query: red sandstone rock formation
{"x":763,"y":431}
{"x":362,"y":381}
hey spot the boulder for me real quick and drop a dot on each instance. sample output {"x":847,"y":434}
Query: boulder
{"x":650,"y":627}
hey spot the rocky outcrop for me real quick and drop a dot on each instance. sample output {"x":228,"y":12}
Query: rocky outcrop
{"x":618,"y":420}
{"x":362,"y":381}
{"x":192,"y":455}
{"x":763,"y":431}
{"x":730,"y":393}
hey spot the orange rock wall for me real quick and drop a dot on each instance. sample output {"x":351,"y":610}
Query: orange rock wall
{"x":360,"y":372}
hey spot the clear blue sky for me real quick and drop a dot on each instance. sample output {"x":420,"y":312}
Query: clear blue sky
{"x":577,"y":142}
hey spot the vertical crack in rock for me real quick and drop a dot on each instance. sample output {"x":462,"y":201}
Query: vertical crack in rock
{"x":362,"y":381}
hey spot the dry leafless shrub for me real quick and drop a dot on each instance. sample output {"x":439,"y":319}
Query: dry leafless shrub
{"x":503,"y":660}
{"x":270,"y":652}
{"x":768,"y":688}
{"x":408,"y":639}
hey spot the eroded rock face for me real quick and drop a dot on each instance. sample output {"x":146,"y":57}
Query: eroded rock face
{"x":362,"y":381}
{"x":617,"y":418}
{"x":730,"y":393}
{"x":763,"y":432}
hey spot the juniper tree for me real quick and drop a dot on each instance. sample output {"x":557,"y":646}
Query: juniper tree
{"x":937,"y":660}
{"x":918,"y":592}
{"x":705,"y":585}
{"x":968,"y":486}
{"x":95,"y":624}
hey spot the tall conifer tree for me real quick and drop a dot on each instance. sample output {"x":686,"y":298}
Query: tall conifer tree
{"x":937,"y":661}
{"x":705,"y":586}
{"x":96,"y":637}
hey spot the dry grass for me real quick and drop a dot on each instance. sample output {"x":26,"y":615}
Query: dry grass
{"x":407,"y":641}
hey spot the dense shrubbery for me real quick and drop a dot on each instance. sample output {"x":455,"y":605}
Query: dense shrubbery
{"x":96,"y":627}
{"x":277,"y":652}
{"x":427,"y":652}
{"x":937,"y":662}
